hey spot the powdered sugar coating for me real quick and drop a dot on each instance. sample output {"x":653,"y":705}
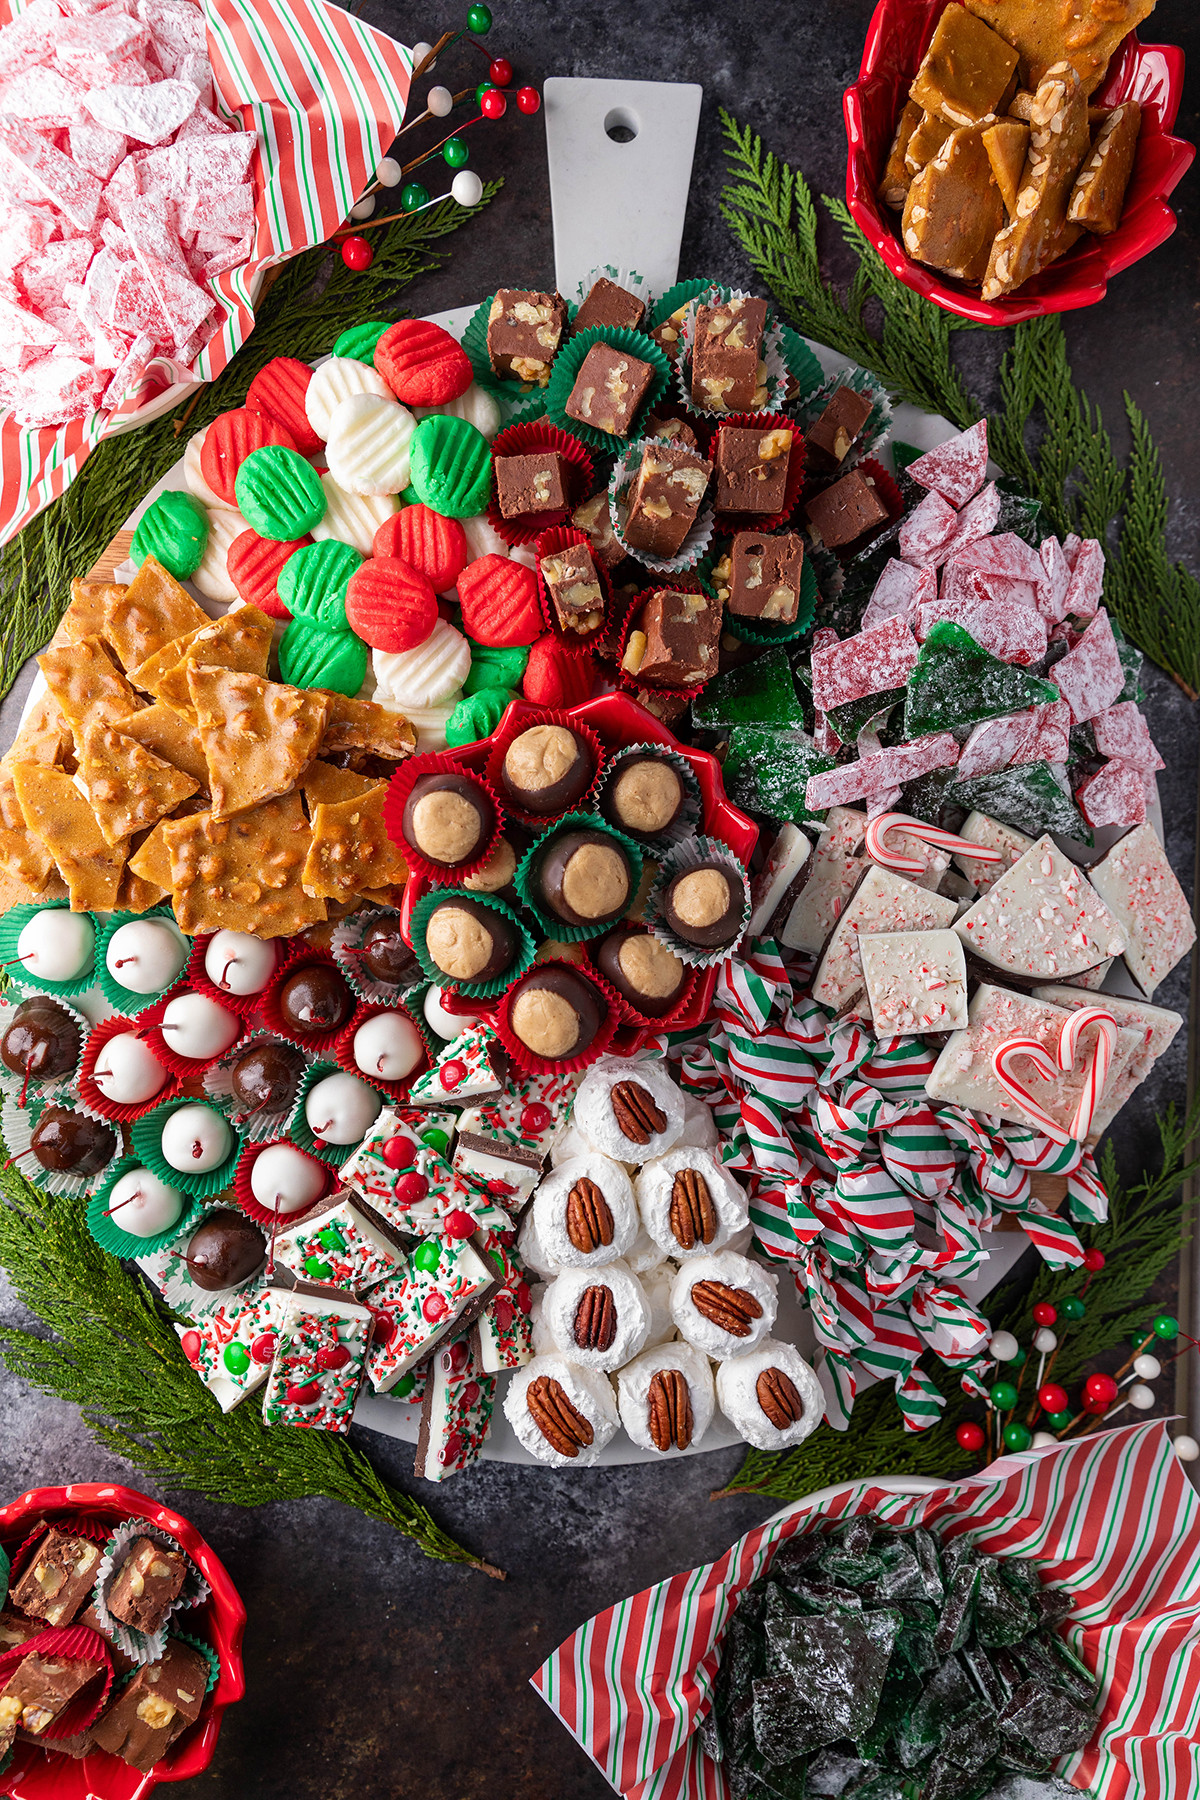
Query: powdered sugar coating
{"x":594,"y":1114}
{"x":589,"y":1392}
{"x":655,"y":1185}
{"x":656,"y":1285}
{"x":633,"y":1393}
{"x":733,"y":1271}
{"x":632,"y":1314}
{"x":738,"y":1399}
{"x":550,"y":1211}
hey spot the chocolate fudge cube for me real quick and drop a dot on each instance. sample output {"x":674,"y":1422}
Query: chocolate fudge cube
{"x":595,"y":520}
{"x":665,"y":498}
{"x":829,"y":440}
{"x":524,"y":332}
{"x":765,"y":576}
{"x":536,"y":483}
{"x":574,"y":588}
{"x":675,"y":642}
{"x":15,"y":1630}
{"x":611,"y":305}
{"x":672,"y":431}
{"x":39,"y":1689}
{"x":151,"y":1710}
{"x":148,"y":1583}
{"x":609,"y":389}
{"x":59,"y":1579}
{"x":669,"y":335}
{"x":752,"y":468}
{"x":728,"y":374}
{"x":842,"y":513}
{"x":120,"y":1662}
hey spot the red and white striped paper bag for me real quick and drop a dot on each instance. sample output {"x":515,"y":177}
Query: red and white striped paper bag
{"x":1112,"y":1520}
{"x":326,"y":95}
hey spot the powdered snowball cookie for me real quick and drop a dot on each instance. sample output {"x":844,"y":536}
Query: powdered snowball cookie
{"x":585,"y":1213}
{"x":428,"y":675}
{"x":631,"y":1111}
{"x":724,"y":1304}
{"x":211,"y":577}
{"x":532,"y":1251}
{"x":699,"y":1126}
{"x":539,"y":1332}
{"x":644,"y":1254}
{"x":771,"y":1396}
{"x":689,"y":1203}
{"x":571,"y":1142}
{"x":567,"y":1418}
{"x":598,"y":1317}
{"x":656,"y":1285}
{"x":352,"y":518}
{"x":334,"y":382}
{"x":476,"y":406}
{"x":655,"y":1412}
{"x":193,"y":474}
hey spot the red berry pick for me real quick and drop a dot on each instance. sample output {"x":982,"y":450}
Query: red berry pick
{"x":1044,"y":1313}
{"x":1093,"y":1261}
{"x":1052,"y":1398}
{"x":528,"y":100}
{"x":357,"y":254}
{"x":970,"y":1436}
{"x":1099,"y":1392}
{"x":492,"y":104}
{"x":501,"y":72}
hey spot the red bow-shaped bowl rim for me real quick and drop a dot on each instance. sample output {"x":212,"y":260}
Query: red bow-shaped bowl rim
{"x":1152,"y":74}
{"x":36,"y":1774}
{"x":618,"y":719}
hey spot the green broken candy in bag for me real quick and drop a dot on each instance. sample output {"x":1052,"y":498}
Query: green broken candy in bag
{"x":1028,"y":797}
{"x":174,"y":531}
{"x":476,"y":716}
{"x":311,"y":656}
{"x":313,"y":581}
{"x":761,"y":692}
{"x":767,"y":771}
{"x":955,"y":681}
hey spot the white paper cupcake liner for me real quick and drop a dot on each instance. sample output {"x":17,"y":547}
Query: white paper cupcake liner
{"x":17,"y":1126}
{"x":255,"y":1127}
{"x":686,"y":856}
{"x":695,"y":544}
{"x":348,"y":937}
{"x":691,"y":815}
{"x":874,"y":433}
{"x":772,"y":355}
{"x":13,"y":1084}
{"x":143,"y":1647}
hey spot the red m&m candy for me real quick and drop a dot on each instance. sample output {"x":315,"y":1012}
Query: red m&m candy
{"x":332,"y":1356}
{"x":459,"y":1224}
{"x":263,"y":1348}
{"x":455,"y":1358}
{"x":502,"y":1312}
{"x":190,"y":1344}
{"x":523,"y":1296}
{"x":434,"y":1308}
{"x":302,"y":1393}
{"x":451,"y":1450}
{"x":383,"y":1326}
{"x":411,"y":1188}
{"x":534,"y":1118}
{"x":453,"y":1073}
{"x":399,"y":1153}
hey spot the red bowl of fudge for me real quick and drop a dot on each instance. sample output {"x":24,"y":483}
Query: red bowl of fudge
{"x":120,"y":1645}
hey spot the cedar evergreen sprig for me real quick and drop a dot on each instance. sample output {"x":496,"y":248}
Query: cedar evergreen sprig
{"x":113,"y":1351}
{"x":1074,"y":470}
{"x":1139,"y":1241}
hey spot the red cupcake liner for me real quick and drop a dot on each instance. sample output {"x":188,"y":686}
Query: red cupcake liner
{"x":683,"y":584}
{"x":541,"y":1065}
{"x":66,"y":1640}
{"x":524,"y":440}
{"x":275,"y":1222}
{"x":188,"y":1068}
{"x":579,"y":643}
{"x":729,"y":522}
{"x":436,"y":762}
{"x":197,"y":976}
{"x":90,"y":1095}
{"x":96,"y":1530}
{"x":343,"y":1049}
{"x":629,"y":1012}
{"x":315,"y":1043}
{"x":522,"y":717}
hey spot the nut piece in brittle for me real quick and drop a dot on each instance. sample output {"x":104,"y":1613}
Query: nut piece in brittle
{"x":1084,"y":33}
{"x":366,"y":727}
{"x":524,"y":332}
{"x":1059,"y":140}
{"x":128,"y":788}
{"x":954,"y":208}
{"x":244,"y":874}
{"x":168,"y":735}
{"x":258,"y":736}
{"x":665,"y":498}
{"x":728,"y":373}
{"x":1007,"y":146}
{"x":58,"y":1581}
{"x":1099,"y":192}
{"x":966,"y":71}
{"x":351,"y":851}
{"x":897,"y":176}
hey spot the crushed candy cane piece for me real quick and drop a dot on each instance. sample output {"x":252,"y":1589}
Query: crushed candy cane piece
{"x":874,"y":775}
{"x":871,"y":662}
{"x":956,"y":469}
{"x":1090,"y":677}
{"x":1115,"y":795}
{"x":1053,"y":589}
{"x":993,"y":836}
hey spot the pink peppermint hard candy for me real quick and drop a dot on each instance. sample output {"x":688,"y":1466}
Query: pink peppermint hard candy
{"x":149,"y":115}
{"x":977,"y":518}
{"x":1052,"y":589}
{"x":1015,"y":634}
{"x":1087,"y":581}
{"x":927,"y":531}
{"x":96,"y":149}
{"x":1090,"y":677}
{"x":997,"y":744}
{"x":883,"y":803}
{"x":1052,"y":739}
{"x":1121,"y":732}
{"x":1004,"y":554}
{"x":43,"y":98}
{"x":54,"y":177}
{"x":868,"y":663}
{"x":898,"y":592}
{"x":957,"y":468}
{"x":1071,"y":548}
{"x":1115,"y":796}
{"x":872,"y":776}
{"x":91,"y":49}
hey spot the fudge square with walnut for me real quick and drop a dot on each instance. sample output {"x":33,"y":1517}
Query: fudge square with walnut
{"x":609,"y":388}
{"x":752,"y":468}
{"x":728,"y":374}
{"x":524,"y":332}
{"x":675,"y":644}
{"x":666,"y":498}
{"x":764,"y":577}
{"x":534,"y":483}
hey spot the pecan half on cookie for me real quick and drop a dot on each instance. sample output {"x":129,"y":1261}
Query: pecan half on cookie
{"x":589,"y":1218}
{"x":693,"y":1217}
{"x":562,"y":1425}
{"x":728,"y":1308}
{"x":637,"y":1113}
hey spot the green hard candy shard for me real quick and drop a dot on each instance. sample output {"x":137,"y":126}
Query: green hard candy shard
{"x":848,"y":720}
{"x":279,"y":494}
{"x":1029,"y":798}
{"x":360,"y":340}
{"x":450,"y":466}
{"x":493,"y":666}
{"x":957,"y":682}
{"x":311,"y":656}
{"x":767,"y":771}
{"x":175,"y":532}
{"x":476,"y":716}
{"x":757,"y":693}
{"x":313,"y":581}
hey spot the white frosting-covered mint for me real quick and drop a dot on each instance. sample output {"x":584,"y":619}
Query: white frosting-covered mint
{"x":729,"y":1270}
{"x":656,"y":1184}
{"x":737,"y":1395}
{"x":632,"y":1314}
{"x":633,"y":1392}
{"x":551,"y":1201}
{"x":588,"y":1392}
{"x":594,"y":1114}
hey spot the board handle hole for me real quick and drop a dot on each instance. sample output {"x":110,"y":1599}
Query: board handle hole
{"x":621,"y":125}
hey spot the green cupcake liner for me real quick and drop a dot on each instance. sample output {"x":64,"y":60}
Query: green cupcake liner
{"x":299,"y":1132}
{"x":475,"y":990}
{"x":567,"y":365}
{"x":520,"y":402}
{"x":109,"y":1235}
{"x":13,"y":924}
{"x":123,"y":999}
{"x":556,"y":928}
{"x":207,"y":1652}
{"x":800,"y":362}
{"x":874,"y":434}
{"x":763,"y":632}
{"x":147,"y":1131}
{"x":675,"y":297}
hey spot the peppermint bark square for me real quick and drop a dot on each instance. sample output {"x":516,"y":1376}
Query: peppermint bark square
{"x":990,"y":834}
{"x":882,"y":903}
{"x":231,"y":1346}
{"x":318,"y":1364}
{"x":1042,"y":919}
{"x":1138,"y":883}
{"x":916,"y":981}
{"x":466,"y":1070}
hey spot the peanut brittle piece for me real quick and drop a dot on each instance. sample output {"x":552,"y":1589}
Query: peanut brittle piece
{"x":151,"y":611}
{"x":43,"y":737}
{"x":129,"y":788}
{"x":896,"y":178}
{"x":240,"y":639}
{"x":1007,"y":145}
{"x":351,"y":849}
{"x":150,"y":862}
{"x":243,"y":873}
{"x":928,"y":136}
{"x":966,"y":70}
{"x":324,"y":784}
{"x":24,"y":858}
{"x":954,"y":209}
{"x":364,"y":725}
{"x":88,"y":612}
{"x":1059,"y":140}
{"x":19,"y":893}
{"x":167,"y":734}
{"x":148,"y":675}
{"x":258,"y":736}
{"x":1084,"y":33}
{"x":87,"y":684}
{"x":56,"y":810}
{"x":136,"y":894}
{"x":1099,"y":192}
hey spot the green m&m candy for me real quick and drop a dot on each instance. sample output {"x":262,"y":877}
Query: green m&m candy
{"x":495,"y":666}
{"x":436,"y":1140}
{"x":279,"y":494}
{"x":360,"y":340}
{"x":236,"y":1358}
{"x":175,"y":532}
{"x":427,"y":1256}
{"x":317,"y":1267}
{"x":313,"y":581}
{"x":404,"y":1386}
{"x":450,"y":465}
{"x":310,"y":655}
{"x":476,"y":716}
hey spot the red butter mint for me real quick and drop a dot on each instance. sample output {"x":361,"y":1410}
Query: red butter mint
{"x":555,"y":676}
{"x":254,"y":564}
{"x":422,"y":538}
{"x":500,"y":602}
{"x":422,"y":364}
{"x":391,"y":605}
{"x":279,"y":390}
{"x":229,"y":440}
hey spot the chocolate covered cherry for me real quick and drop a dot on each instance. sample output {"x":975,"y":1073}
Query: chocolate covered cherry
{"x":315,"y":1000}
{"x":226,"y":1249}
{"x":42,"y":1040}
{"x":67,"y":1142}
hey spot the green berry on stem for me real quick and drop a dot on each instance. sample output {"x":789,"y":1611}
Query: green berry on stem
{"x":1073,"y":1309}
{"x":413,"y":196}
{"x":1003,"y":1395}
{"x":455,"y":152}
{"x":479,"y":19}
{"x":1017,"y":1436}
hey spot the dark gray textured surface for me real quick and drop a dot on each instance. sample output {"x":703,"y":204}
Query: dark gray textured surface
{"x":370,"y":1671}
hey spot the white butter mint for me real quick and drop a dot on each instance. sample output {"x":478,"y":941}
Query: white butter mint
{"x":428,"y":675}
{"x":212,"y":578}
{"x":367,"y":450}
{"x":334,"y":382}
{"x":476,"y":406}
{"x":352,"y":518}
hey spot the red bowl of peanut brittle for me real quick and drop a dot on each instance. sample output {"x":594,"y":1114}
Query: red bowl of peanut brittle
{"x":1151,"y":74}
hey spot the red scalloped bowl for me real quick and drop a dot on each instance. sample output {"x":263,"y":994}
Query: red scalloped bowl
{"x":617,"y":719}
{"x":897,"y":39}
{"x":35,"y":1775}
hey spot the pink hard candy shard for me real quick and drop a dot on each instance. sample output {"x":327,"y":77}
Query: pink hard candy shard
{"x":927,"y":532}
{"x":1090,"y":677}
{"x":897,"y":594}
{"x":871,"y":662}
{"x":1116,"y":795}
{"x":1122,"y":733}
{"x":956,"y":469}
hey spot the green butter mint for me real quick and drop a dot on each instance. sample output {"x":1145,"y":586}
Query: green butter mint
{"x":175,"y":531}
{"x":311,"y":656}
{"x":313,"y":581}
{"x":476,"y":716}
{"x":279,"y":494}
{"x":451,"y":467}
{"x":360,"y":340}
{"x":493,"y":666}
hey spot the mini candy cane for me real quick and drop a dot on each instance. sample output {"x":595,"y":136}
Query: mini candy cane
{"x":1073,"y":1027}
{"x":878,"y":851}
{"x":1002,"y":1056}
